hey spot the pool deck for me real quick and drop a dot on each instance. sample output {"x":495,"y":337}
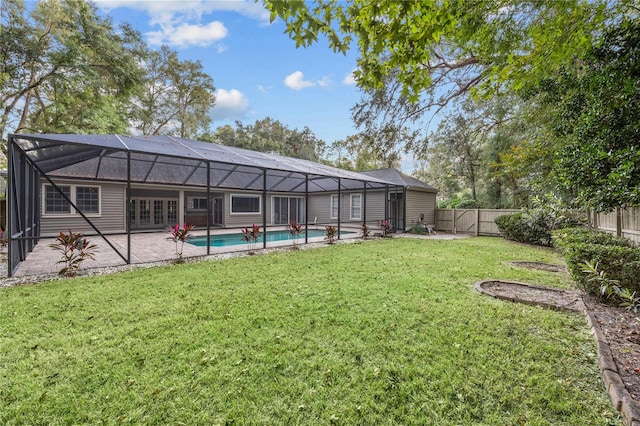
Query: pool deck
{"x":145,"y":248}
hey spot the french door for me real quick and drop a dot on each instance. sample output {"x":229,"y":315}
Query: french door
{"x":153,"y":213}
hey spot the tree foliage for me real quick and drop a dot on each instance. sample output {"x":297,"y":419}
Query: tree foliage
{"x":63,"y":69}
{"x":175,"y":97}
{"x":599,"y":121}
{"x":269,"y":135}
{"x":359,"y":153}
{"x":437,"y":50}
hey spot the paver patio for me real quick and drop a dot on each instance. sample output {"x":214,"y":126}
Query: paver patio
{"x":145,"y":248}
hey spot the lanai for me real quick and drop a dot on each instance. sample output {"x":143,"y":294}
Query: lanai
{"x":153,"y":160}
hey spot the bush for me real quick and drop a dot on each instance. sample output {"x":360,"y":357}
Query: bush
{"x":621,"y":263}
{"x":566,"y":237}
{"x":512,"y":226}
{"x":535,"y":225}
{"x":467,"y":203}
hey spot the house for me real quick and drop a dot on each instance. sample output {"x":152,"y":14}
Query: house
{"x":114,"y":184}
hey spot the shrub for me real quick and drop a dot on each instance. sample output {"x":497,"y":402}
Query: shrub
{"x":295,"y":229}
{"x":512,"y":226}
{"x":385,"y":227}
{"x":75,"y":249}
{"x":418,"y":229}
{"x":366,"y":233}
{"x":610,"y":288}
{"x":565,"y":237}
{"x":330,"y":234}
{"x":534,"y":225}
{"x":251,"y":236}
{"x":622,"y":264}
{"x":179,"y":236}
{"x":467,"y":203}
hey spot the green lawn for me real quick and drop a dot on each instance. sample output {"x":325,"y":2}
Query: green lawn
{"x":384,"y":332}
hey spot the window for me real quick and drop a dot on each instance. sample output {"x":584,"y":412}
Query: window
{"x":86,"y":199}
{"x":356,"y":206}
{"x":245,"y":204}
{"x":55,"y":202}
{"x":334,"y":206}
{"x":196,"y":203}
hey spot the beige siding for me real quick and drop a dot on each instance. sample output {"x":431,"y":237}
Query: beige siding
{"x":419,"y":202}
{"x":320,"y":208}
{"x":242,"y":220}
{"x":111,"y":218}
{"x":375,"y":207}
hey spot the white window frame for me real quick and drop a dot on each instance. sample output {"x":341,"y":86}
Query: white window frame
{"x":353,"y":217}
{"x":72,"y":196}
{"x":190,"y":203}
{"x":334,"y":204}
{"x":232,"y":196}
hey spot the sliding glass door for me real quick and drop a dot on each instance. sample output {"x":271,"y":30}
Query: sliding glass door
{"x":286,"y":209}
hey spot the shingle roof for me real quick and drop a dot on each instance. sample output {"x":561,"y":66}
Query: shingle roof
{"x":396,"y":177}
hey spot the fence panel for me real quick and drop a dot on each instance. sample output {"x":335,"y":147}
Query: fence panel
{"x":624,"y":222}
{"x":470,"y":221}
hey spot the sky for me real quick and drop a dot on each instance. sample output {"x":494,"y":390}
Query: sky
{"x":256,"y":68}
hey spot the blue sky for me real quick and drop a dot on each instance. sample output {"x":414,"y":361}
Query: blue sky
{"x":256,"y":68}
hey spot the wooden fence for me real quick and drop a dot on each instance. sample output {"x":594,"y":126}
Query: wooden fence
{"x":623,"y":222}
{"x":470,"y":221}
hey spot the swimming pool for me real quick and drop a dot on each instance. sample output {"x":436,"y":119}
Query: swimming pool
{"x":225,"y":240}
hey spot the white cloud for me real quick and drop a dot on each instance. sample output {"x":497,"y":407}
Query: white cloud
{"x":349,"y":79}
{"x":264,"y":89}
{"x":296,"y":81}
{"x":324,"y":81}
{"x":230,"y":104}
{"x":185,"y":23}
{"x":188,"y":34}
{"x":160,"y":11}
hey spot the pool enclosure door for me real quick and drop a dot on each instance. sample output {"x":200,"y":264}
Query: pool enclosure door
{"x":286,"y":209}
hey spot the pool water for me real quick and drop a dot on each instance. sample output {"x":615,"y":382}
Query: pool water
{"x":225,"y":240}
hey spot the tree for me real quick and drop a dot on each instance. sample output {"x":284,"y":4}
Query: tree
{"x":175,"y":97}
{"x":417,"y":56}
{"x":598,"y":121}
{"x":63,"y":69}
{"x":359,"y":153}
{"x":269,"y":135}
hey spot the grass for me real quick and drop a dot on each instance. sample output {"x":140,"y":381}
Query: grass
{"x":385,"y":332}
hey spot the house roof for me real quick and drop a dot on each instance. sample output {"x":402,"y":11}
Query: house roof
{"x":396,"y":177}
{"x":178,"y":161}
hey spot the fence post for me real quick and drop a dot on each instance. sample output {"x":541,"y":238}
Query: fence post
{"x":477,"y":222}
{"x":453,"y":222}
{"x":618,"y":222}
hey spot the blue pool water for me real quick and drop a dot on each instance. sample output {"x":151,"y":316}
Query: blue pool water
{"x":225,"y":240}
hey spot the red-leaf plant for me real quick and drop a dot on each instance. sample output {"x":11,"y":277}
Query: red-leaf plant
{"x":295,"y":229}
{"x":385,"y":227}
{"x":75,"y":249}
{"x":330,"y":234}
{"x":250,"y":236}
{"x":179,"y":237}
